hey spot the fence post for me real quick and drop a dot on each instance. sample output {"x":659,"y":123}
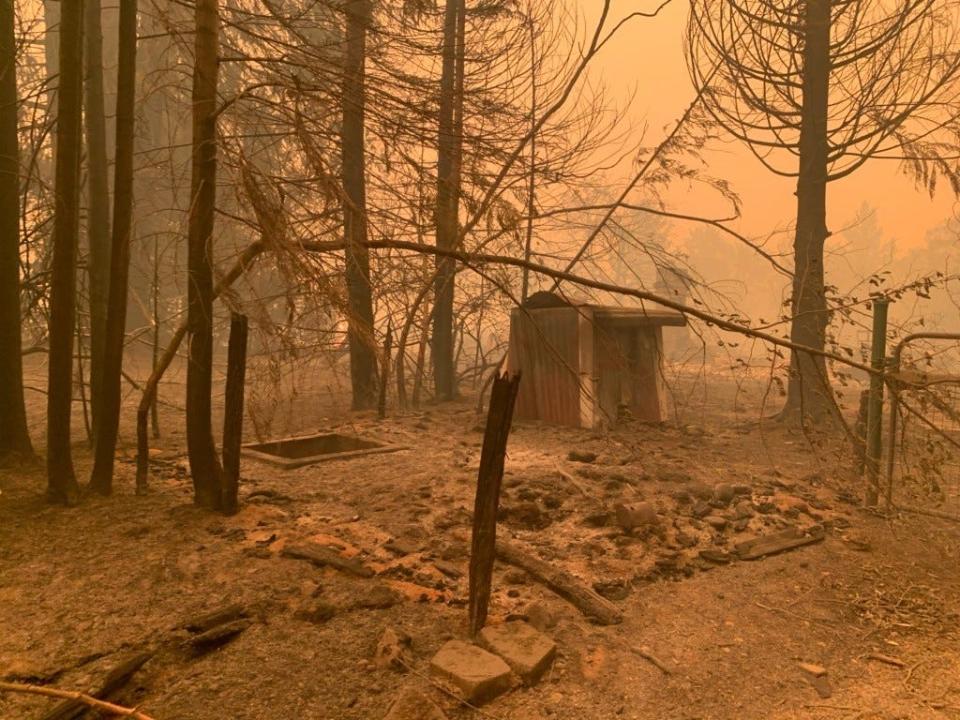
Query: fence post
{"x":878,"y":354}
{"x":484,"y":539}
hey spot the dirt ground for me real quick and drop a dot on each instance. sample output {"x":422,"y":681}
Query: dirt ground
{"x":83,"y":588}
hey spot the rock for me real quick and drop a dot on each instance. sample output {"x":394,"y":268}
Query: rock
{"x":716,"y":556}
{"x":724,"y":493}
{"x":822,"y":686}
{"x":540,"y":616}
{"x":673,"y":476}
{"x":315,"y":611}
{"x":743,"y":510}
{"x":411,"y":704}
{"x":700,"y":490}
{"x":393,"y":650}
{"x":399,"y":547}
{"x":597,"y":518}
{"x":380,"y":597}
{"x":742,"y":489}
{"x":582,"y":456}
{"x":526,"y":514}
{"x":701,"y":509}
{"x":449,"y":569}
{"x":527,"y":651}
{"x":716,"y":522}
{"x":766,"y":507}
{"x":515,"y":576}
{"x":685,"y":539}
{"x":635,"y":515}
{"x":680,"y":495}
{"x":612,"y":589}
{"x":478,"y":675}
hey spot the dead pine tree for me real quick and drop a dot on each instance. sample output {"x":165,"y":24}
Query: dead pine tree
{"x":61,"y":480}
{"x":98,"y":200}
{"x":101,"y":479}
{"x":363,"y":358}
{"x":204,"y":463}
{"x":815,"y":90}
{"x":233,"y":412}
{"x":14,"y":436}
{"x":449,"y":156}
{"x":489,"y":477}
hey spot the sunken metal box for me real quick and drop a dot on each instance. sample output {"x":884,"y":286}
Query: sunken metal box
{"x":294,"y":452}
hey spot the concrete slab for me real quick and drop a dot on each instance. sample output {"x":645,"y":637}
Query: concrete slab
{"x":479,"y":675}
{"x":528,"y":652}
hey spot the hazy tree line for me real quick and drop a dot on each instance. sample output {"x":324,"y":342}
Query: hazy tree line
{"x":339,"y":170}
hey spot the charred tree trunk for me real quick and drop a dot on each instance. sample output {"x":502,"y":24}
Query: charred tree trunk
{"x":61,"y":480}
{"x":363,"y":357}
{"x":233,"y":412}
{"x":109,"y":419}
{"x":449,"y":150}
{"x":204,"y":464}
{"x":98,"y":201}
{"x":14,"y":437}
{"x":808,"y":393}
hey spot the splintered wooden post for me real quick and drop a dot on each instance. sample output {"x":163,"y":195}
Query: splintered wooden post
{"x":233,"y":412}
{"x":483,"y":547}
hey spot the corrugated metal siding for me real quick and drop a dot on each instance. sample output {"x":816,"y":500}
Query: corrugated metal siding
{"x":544,"y":347}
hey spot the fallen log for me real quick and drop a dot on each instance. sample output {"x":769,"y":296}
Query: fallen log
{"x":78,"y":703}
{"x":325,"y":557}
{"x":597,"y":608}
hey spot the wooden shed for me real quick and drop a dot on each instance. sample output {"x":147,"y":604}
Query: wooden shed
{"x":588,"y":365}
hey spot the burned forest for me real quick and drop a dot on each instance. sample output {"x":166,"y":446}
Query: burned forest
{"x":480,"y":359}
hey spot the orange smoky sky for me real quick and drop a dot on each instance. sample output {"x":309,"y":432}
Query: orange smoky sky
{"x":647,"y":58}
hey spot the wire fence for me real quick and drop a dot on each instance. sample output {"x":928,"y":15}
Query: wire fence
{"x":923,"y":443}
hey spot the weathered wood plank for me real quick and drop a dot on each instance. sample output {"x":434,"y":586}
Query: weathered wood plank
{"x":325,"y":557}
{"x":775,"y":543}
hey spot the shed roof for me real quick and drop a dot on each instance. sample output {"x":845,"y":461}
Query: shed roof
{"x":649,"y":313}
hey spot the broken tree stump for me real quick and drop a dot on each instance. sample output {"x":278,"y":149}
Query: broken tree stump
{"x":233,"y":413}
{"x":594,"y":606}
{"x":114,"y":681}
{"x":489,"y":477}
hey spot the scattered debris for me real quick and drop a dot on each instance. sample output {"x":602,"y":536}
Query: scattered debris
{"x":886,"y":659}
{"x":527,"y":651}
{"x":479,"y":675}
{"x":645,"y":653}
{"x":815,"y":670}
